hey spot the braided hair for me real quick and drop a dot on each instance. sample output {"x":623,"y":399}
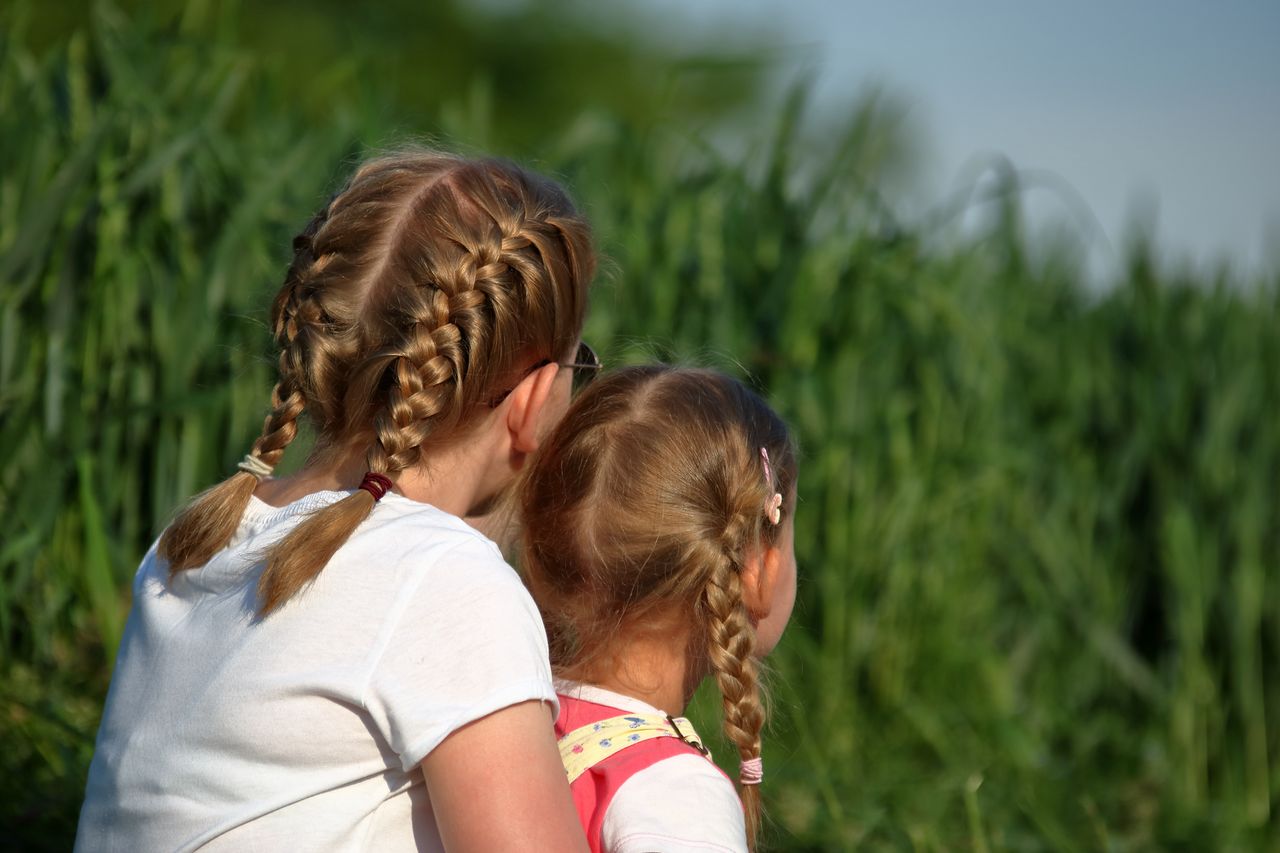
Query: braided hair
{"x":411,"y":296}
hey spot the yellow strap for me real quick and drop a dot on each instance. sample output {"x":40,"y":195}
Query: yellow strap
{"x":585,"y":747}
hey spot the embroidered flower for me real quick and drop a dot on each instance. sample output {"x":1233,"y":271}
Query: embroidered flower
{"x":606,"y":743}
{"x":577,"y":748}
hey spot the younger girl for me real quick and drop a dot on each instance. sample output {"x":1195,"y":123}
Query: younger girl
{"x":334,"y":660}
{"x":658,"y":546}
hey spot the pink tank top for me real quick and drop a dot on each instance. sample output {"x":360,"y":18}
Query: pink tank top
{"x":595,"y":788}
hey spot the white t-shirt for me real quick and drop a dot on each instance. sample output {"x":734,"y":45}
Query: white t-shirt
{"x":681,"y":804}
{"x":304,"y":730}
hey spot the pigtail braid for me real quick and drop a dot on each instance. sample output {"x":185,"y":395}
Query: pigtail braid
{"x":281,"y":424}
{"x":425,"y":384}
{"x":297,"y":559}
{"x":730,"y":646}
{"x":424,"y":377}
{"x":207,"y":523}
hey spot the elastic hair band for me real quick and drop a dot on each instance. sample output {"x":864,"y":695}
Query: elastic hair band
{"x":376,"y":485}
{"x":773,"y":504}
{"x":254,"y":465}
{"x":751,"y":771}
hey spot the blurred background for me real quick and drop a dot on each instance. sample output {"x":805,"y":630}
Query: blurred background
{"x":1011,"y":274}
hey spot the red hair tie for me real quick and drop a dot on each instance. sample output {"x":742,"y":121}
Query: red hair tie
{"x":376,"y":485}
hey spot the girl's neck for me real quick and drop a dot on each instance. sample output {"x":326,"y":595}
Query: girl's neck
{"x":652,"y":666}
{"x":459,"y":492}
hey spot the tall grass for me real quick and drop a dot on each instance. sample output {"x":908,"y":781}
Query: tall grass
{"x":1038,"y":524}
{"x":140,"y":230}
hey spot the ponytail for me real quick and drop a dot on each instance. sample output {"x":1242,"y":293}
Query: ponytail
{"x":206,"y":524}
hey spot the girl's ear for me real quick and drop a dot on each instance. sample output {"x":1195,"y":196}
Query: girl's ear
{"x":528,"y":402}
{"x":759,"y":577}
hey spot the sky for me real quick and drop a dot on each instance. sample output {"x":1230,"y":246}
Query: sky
{"x":1171,"y":106}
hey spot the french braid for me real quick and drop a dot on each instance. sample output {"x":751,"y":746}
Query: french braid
{"x":425,"y":281}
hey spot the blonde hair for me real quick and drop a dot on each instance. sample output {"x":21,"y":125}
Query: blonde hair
{"x":646,"y":500}
{"x":422,"y":286}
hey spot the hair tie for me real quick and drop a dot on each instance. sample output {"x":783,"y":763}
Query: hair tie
{"x":376,"y":485}
{"x":751,"y":771}
{"x":773,"y":504}
{"x":254,"y":465}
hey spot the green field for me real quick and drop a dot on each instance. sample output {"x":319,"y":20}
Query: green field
{"x":1039,"y":518}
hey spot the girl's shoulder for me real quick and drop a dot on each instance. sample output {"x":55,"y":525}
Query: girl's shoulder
{"x":683,"y":802}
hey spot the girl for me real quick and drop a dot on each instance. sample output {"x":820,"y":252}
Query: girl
{"x":658,"y":545}
{"x":334,"y":660}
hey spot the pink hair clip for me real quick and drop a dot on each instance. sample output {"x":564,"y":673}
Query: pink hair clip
{"x":772,"y":506}
{"x":751,"y":771}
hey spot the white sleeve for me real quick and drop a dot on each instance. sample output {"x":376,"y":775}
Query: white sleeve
{"x":469,"y":642}
{"x":682,"y":804}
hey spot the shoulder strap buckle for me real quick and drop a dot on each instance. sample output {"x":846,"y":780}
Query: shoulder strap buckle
{"x":684,"y":730}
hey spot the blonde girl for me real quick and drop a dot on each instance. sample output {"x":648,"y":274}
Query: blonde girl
{"x":335,"y":660}
{"x":658,"y":545}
